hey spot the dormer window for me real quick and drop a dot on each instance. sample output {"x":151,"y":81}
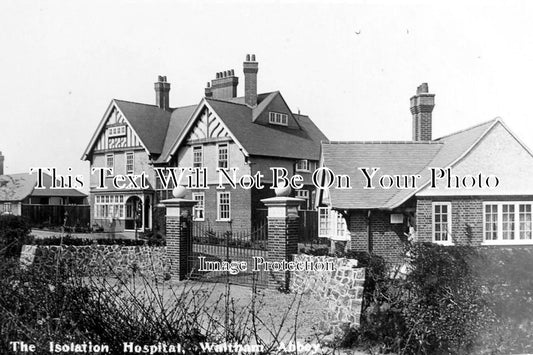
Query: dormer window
{"x":281,"y":119}
{"x":302,"y":165}
{"x":116,"y":131}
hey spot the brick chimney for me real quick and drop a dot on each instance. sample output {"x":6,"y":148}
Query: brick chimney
{"x":162,"y":89}
{"x":1,"y":164}
{"x":224,"y":86}
{"x":250,"y":68}
{"x":208,"y":91}
{"x":422,"y":105}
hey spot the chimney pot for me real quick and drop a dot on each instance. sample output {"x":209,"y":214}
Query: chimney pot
{"x":247,"y":57}
{"x":422,"y":105}
{"x":422,"y":89}
{"x":253,"y":57}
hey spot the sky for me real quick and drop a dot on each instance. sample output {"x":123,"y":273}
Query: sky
{"x":350,"y":66}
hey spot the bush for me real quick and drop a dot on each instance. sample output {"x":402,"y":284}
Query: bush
{"x":14,"y":233}
{"x":451,"y":300}
{"x":152,"y":240}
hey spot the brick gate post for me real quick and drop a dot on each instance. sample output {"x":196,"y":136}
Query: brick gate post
{"x":283,"y":229}
{"x":179,"y":232}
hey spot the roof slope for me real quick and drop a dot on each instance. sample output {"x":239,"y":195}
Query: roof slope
{"x":16,"y":187}
{"x":159,"y":130}
{"x":269,"y":140}
{"x":149,"y":122}
{"x":393,"y":158}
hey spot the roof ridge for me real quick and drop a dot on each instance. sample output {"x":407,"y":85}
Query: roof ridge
{"x":381,"y":142}
{"x":227,"y":102}
{"x":153,"y":105}
{"x":133,"y":102}
{"x":469,"y":128}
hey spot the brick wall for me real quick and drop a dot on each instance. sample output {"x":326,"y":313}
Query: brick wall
{"x":467,"y":220}
{"x":387,"y":240}
{"x":240,"y":202}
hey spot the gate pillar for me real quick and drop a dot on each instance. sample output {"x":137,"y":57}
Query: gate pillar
{"x":283,"y":229}
{"x":178,"y":216}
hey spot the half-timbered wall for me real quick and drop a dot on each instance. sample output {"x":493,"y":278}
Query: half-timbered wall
{"x":117,"y":134}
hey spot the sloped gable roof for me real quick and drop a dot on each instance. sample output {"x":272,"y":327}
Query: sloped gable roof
{"x":270,"y":140}
{"x":393,"y":158}
{"x":255,"y":138}
{"x":149,"y":122}
{"x":16,"y":187}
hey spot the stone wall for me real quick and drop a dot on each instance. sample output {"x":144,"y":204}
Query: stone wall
{"x":100,"y":260}
{"x":340,"y":291}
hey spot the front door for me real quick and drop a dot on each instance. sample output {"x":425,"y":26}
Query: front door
{"x":133,"y":213}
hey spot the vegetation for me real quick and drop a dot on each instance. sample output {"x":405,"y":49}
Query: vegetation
{"x":448,"y":300}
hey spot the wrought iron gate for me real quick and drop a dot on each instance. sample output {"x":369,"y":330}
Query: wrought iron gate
{"x":218,"y":256}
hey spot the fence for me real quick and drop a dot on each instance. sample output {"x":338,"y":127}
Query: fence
{"x":54,"y":215}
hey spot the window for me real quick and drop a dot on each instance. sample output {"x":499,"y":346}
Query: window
{"x":199,"y":208}
{"x":223,"y":206}
{"x":302,"y":165}
{"x":303,"y":194}
{"x":197,"y":156}
{"x":109,"y":206}
{"x":491,"y":222}
{"x":332,"y":224}
{"x":223,"y":156}
{"x":7,"y":207}
{"x":129,"y":163}
{"x":323,"y":221}
{"x":110,"y":163}
{"x":525,"y":221}
{"x":116,"y":131}
{"x":278,"y":118}
{"x":442,"y":222}
{"x":507,"y":222}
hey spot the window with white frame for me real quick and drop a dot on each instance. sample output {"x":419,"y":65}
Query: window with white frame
{"x":304,"y":195}
{"x":507,"y":222}
{"x":323,"y":221}
{"x":7,"y":207}
{"x":223,"y":206}
{"x":116,"y":131}
{"x":278,"y":118}
{"x":197,"y":156}
{"x":332,"y":224}
{"x":109,"y":206}
{"x":302,"y":165}
{"x":130,"y":163}
{"x":442,"y":222}
{"x":110,"y":163}
{"x":199,"y":208}
{"x":223,"y":156}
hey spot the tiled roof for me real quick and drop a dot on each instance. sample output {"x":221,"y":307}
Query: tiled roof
{"x":16,"y":187}
{"x":270,"y":140}
{"x":179,"y":118}
{"x":393,"y":158}
{"x":159,"y":130}
{"x":149,"y":122}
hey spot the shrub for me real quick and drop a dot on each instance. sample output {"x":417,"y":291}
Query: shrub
{"x":438,"y":307}
{"x":14,"y":233}
{"x":153,"y":240}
